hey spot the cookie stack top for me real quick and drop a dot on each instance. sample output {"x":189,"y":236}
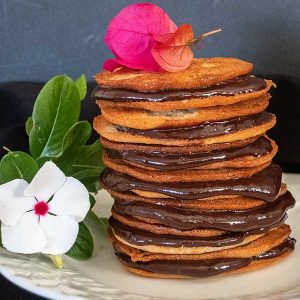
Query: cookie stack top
{"x":212,"y":89}
{"x":190,"y":168}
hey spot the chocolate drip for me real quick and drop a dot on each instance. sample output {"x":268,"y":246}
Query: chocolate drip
{"x":228,"y":220}
{"x":241,"y":85}
{"x":176,"y":161}
{"x":288,"y":244}
{"x":140,"y":237}
{"x":203,"y":268}
{"x":190,"y":268}
{"x":204,"y":130}
{"x":264,"y":185}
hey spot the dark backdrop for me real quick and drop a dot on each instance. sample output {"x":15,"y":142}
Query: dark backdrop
{"x":42,"y":38}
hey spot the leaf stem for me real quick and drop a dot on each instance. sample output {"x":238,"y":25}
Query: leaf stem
{"x":6,"y":149}
{"x":202,"y":36}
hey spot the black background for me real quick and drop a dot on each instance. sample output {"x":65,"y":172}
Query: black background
{"x":41,"y":38}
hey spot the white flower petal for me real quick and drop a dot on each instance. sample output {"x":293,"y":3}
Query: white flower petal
{"x":13,"y":204}
{"x":46,"y":182}
{"x":26,"y":237}
{"x":72,"y":199}
{"x":61,"y":233}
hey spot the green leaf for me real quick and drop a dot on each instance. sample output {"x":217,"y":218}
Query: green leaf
{"x":77,"y":135}
{"x":89,"y":178}
{"x":88,"y":157}
{"x":18,"y":165}
{"x":104,"y":221}
{"x":81,"y":158}
{"x":88,"y":165}
{"x":84,"y":163}
{"x":84,"y":245}
{"x":91,"y":219}
{"x":55,"y":111}
{"x":86,"y":174}
{"x":28,"y":125}
{"x":92,"y":187}
{"x":99,"y":225}
{"x":92,"y":201}
{"x":81,"y":86}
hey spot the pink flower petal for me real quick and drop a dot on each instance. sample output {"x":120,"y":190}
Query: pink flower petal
{"x":112,"y":64}
{"x":175,"y":54}
{"x":132,"y":33}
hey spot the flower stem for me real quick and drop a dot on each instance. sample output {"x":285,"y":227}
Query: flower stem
{"x":202,"y":36}
{"x":57,"y":260}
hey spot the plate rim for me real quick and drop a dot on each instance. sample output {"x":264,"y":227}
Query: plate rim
{"x":27,"y":284}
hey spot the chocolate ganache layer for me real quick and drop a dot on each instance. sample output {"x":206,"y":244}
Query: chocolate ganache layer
{"x":241,"y":85}
{"x":229,"y":220}
{"x":140,"y":237}
{"x":176,"y":161}
{"x":203,"y":130}
{"x":203,"y":268}
{"x":264,"y":185}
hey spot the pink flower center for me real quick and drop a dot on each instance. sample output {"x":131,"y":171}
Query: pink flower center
{"x":41,"y":208}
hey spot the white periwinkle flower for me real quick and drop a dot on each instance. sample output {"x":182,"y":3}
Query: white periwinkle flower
{"x":42,"y":216}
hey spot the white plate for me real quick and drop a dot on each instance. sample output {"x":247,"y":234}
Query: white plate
{"x":102,"y":277}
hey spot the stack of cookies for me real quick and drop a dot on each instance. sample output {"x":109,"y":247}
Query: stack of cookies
{"x":189,"y":166}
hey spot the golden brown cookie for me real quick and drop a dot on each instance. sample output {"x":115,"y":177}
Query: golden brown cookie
{"x":109,"y":131}
{"x":228,"y":169}
{"x":187,"y":103}
{"x":175,"y":149}
{"x":202,"y":72}
{"x":265,"y":185}
{"x":182,"y":218}
{"x":152,"y":195}
{"x":145,"y":119}
{"x":242,"y":158}
{"x":254,"y":252}
{"x":186,"y":250}
{"x":252,"y":266}
{"x":226,"y":202}
{"x":269,"y":240}
{"x":162,"y":229}
{"x":187,"y":175}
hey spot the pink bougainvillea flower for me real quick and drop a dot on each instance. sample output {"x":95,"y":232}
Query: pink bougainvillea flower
{"x":173,"y":53}
{"x":143,"y":37}
{"x":132,"y":34}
